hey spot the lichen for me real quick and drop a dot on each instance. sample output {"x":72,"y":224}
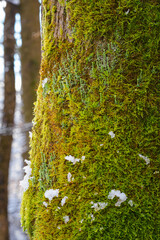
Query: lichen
{"x":101,"y":101}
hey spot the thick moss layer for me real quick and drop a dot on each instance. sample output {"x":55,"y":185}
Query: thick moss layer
{"x":105,"y":82}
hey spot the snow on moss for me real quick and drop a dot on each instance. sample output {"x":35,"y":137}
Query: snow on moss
{"x":146,"y":159}
{"x":45,"y":204}
{"x":122,"y":196}
{"x":63,"y":201}
{"x":69,"y":175}
{"x":99,"y":205}
{"x":111,"y":134}
{"x":44,"y":82}
{"x":66,"y":219}
{"x":28,"y":170}
{"x":51,"y":193}
{"x":73,"y":159}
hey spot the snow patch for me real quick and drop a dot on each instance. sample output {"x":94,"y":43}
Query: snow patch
{"x":73,"y":159}
{"x":30,"y":134}
{"x":69,"y":175}
{"x":111,"y":134}
{"x":44,"y":82}
{"x":146,"y":159}
{"x":99,"y":205}
{"x":66,"y":219}
{"x":50,"y":194}
{"x":122,"y":196}
{"x":63,"y":201}
{"x":45,"y":204}
{"x":28,"y":170}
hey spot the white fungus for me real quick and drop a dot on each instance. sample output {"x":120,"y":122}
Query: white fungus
{"x":25,"y":182}
{"x":111,"y":134}
{"x":50,"y":194}
{"x":69,"y":175}
{"x":66,"y":219}
{"x":122,"y":196}
{"x":44,"y":82}
{"x":63,"y":201}
{"x":146,"y":159}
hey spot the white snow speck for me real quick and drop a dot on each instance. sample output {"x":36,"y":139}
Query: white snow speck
{"x":99,"y":205}
{"x":30,"y":134}
{"x":127,"y":11}
{"x":25,"y":182}
{"x":83,"y":157}
{"x":130,"y":202}
{"x":111,"y":134}
{"x":122,"y":196}
{"x":101,"y":145}
{"x":50,"y":194}
{"x":81,"y":220}
{"x":58,"y":208}
{"x":63,"y":201}
{"x":72,"y":159}
{"x":44,"y":82}
{"x":92,"y":217}
{"x":69,"y":175}
{"x":45,"y":204}
{"x":66,"y":219}
{"x":34,"y":123}
{"x":146,"y":159}
{"x":156,"y":172}
{"x":58,"y":227}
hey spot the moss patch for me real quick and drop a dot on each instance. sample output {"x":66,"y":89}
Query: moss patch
{"x":106,"y":82}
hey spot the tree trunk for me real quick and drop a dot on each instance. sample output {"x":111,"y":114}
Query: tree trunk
{"x":95,"y":145}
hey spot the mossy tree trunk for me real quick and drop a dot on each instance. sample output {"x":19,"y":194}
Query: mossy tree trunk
{"x":96,"y":133}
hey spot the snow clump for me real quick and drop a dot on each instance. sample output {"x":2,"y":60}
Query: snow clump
{"x":50,"y":194}
{"x":25,"y":182}
{"x":146,"y":159}
{"x":44,"y":82}
{"x":122,"y":196}
{"x":66,"y":219}
{"x":45,"y":204}
{"x":69,"y":175}
{"x":63,"y":201}
{"x":99,"y":205}
{"x":111,"y":134}
{"x":30,"y":134}
{"x":73,"y":159}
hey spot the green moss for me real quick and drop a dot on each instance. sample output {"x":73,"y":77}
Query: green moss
{"x":106,"y":80}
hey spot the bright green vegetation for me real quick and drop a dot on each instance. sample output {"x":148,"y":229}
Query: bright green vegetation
{"x":107,"y":79}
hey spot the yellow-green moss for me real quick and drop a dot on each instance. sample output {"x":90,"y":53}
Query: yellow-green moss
{"x":106,"y":80}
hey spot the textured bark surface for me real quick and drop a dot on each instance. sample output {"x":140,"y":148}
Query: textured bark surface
{"x":62,"y":30}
